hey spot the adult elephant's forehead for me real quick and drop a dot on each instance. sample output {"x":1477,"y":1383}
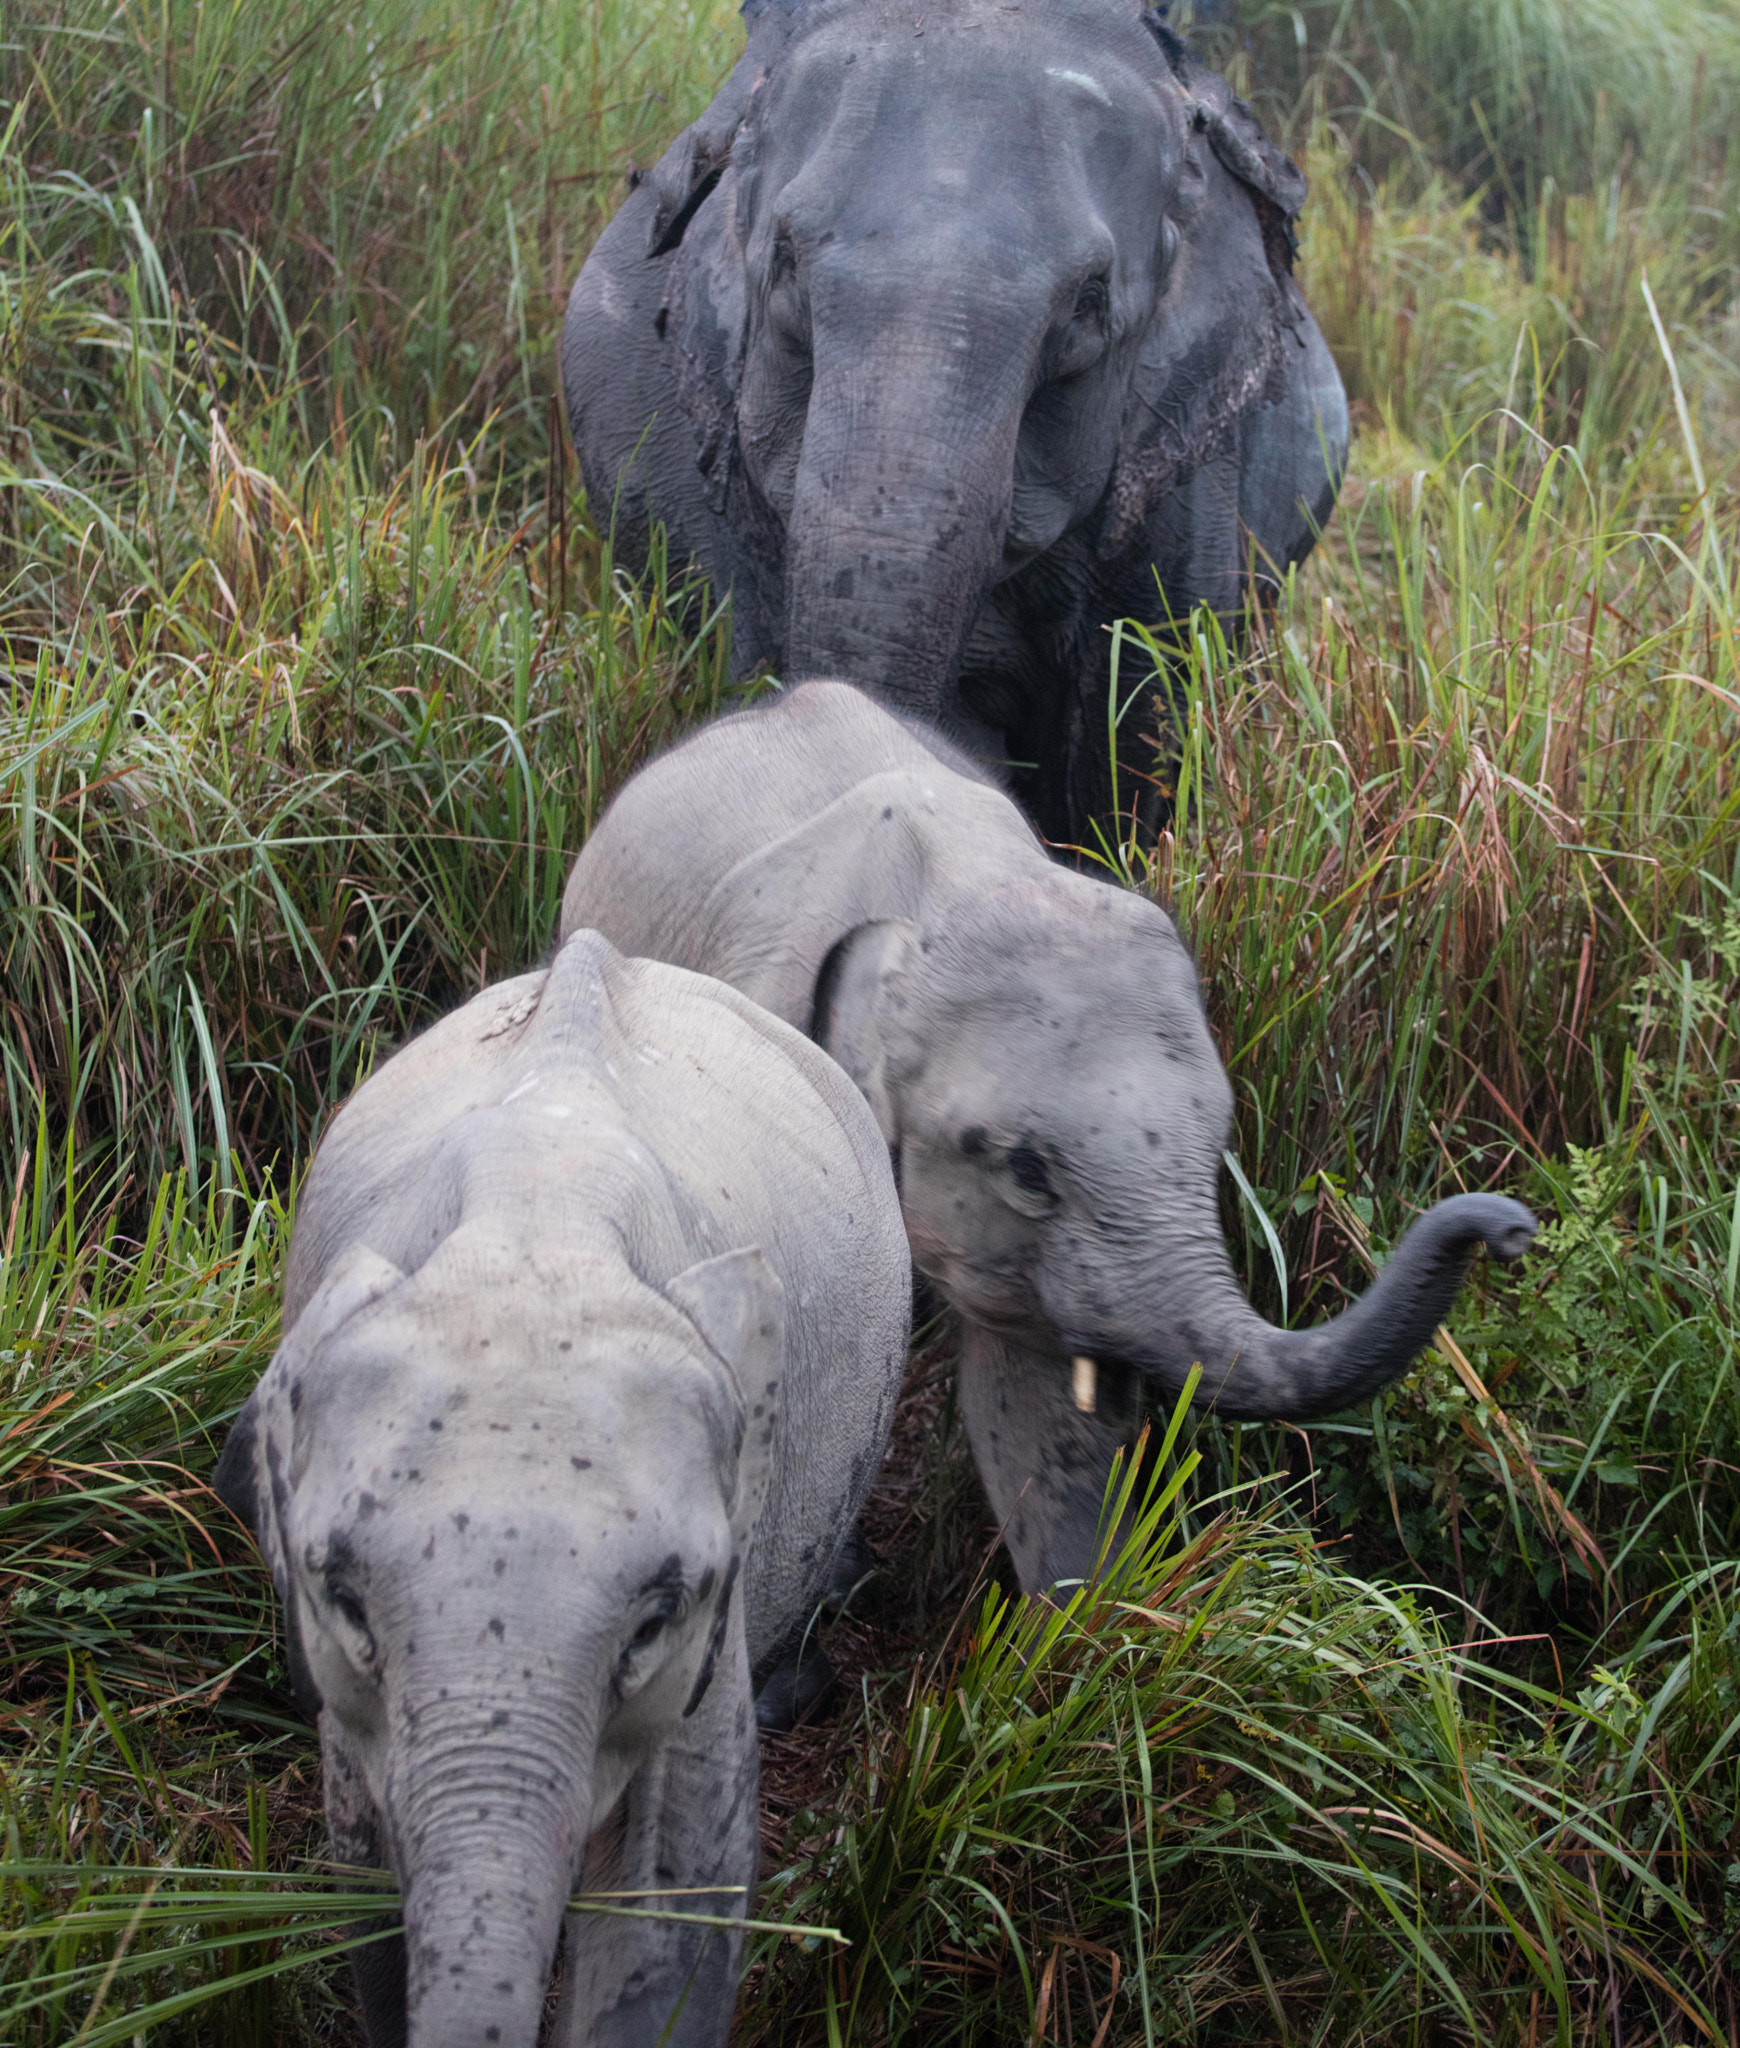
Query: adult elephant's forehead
{"x":984,"y":27}
{"x":970,"y":85}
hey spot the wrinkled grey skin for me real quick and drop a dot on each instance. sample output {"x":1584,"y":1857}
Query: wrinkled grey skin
{"x":1033,"y":1044}
{"x":595,"y":1317}
{"x":938,"y":338}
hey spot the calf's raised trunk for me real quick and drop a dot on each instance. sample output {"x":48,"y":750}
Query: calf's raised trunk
{"x":1186,"y":1307}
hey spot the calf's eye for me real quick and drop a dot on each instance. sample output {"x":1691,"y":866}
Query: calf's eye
{"x":648,"y":1633}
{"x":1028,"y":1170}
{"x":346,"y":1604}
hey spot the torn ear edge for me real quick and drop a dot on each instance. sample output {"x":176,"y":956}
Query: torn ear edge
{"x":682,"y":180}
{"x":686,"y":175}
{"x":1274,"y":181}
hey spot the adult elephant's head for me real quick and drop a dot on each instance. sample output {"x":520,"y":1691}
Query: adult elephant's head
{"x":975,"y":276}
{"x":1041,"y":1066}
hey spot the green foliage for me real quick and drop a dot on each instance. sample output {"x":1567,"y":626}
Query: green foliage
{"x":1516,"y":98}
{"x":386,"y":204}
{"x":1264,"y":1796}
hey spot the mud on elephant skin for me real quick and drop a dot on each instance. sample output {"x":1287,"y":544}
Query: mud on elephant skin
{"x":939,"y":338}
{"x":1033,"y":1044}
{"x":595,"y":1316}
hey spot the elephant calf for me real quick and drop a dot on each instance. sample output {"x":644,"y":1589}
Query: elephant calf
{"x":594,"y":1321}
{"x":1033,"y":1044}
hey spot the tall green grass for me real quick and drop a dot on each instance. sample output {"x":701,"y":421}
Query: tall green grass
{"x":1228,"y":1792}
{"x":1516,"y":99}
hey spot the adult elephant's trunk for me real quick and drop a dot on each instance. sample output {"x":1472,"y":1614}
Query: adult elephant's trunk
{"x":1251,"y":1370}
{"x":486,"y":1848}
{"x":901,"y":505}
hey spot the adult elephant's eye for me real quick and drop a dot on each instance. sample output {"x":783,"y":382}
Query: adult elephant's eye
{"x":1029,"y":1171}
{"x":1092,"y":300}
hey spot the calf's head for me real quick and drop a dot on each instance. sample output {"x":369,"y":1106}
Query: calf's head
{"x":506,"y":1514}
{"x":1040,"y":1064}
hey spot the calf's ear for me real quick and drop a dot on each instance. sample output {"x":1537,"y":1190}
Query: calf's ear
{"x":737,"y":1302}
{"x":252,"y":1476}
{"x":861,"y":983}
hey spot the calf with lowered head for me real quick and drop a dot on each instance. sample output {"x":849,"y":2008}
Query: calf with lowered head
{"x":594,"y":1320}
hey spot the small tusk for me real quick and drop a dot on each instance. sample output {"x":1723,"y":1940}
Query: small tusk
{"x":1084,"y":1378}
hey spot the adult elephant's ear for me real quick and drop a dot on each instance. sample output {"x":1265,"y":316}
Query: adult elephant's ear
{"x":737,"y":1302}
{"x":1275,"y":182}
{"x":1213,"y":353}
{"x":687,"y":173}
{"x":1239,"y":140}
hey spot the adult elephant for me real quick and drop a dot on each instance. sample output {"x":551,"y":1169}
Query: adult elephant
{"x":948,"y":335}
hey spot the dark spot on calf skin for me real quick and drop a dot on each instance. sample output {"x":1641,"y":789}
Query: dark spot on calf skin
{"x":366,"y":1505}
{"x":581,"y":1464}
{"x":973,"y":1140}
{"x":500,"y":1566}
{"x":435,"y":1422}
{"x":565,"y":1345}
{"x":295,"y":1397}
{"x":497,"y":1627}
{"x":462,"y":1522}
{"x":501,"y":1718}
